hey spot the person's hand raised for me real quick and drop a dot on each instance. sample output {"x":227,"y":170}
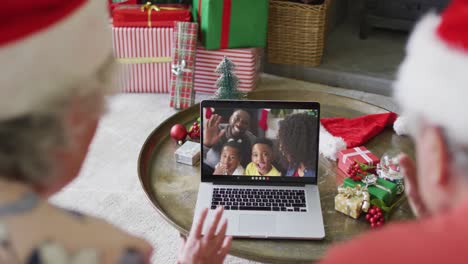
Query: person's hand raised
{"x":211,"y":131}
{"x":411,"y":186}
{"x":211,"y":248}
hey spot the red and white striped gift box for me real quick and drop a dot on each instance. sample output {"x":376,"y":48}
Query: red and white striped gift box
{"x":247,"y":63}
{"x":146,"y":56}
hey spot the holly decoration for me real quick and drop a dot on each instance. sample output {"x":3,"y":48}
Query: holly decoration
{"x":359,"y":170}
{"x":179,"y":133}
{"x":375,"y":216}
{"x":194,"y":131}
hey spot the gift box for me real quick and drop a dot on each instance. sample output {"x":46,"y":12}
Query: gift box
{"x":145,"y":55}
{"x":232,"y":24}
{"x":183,"y":65}
{"x":382,"y":189}
{"x":247,"y":69}
{"x":149,"y":15}
{"x":348,"y":157}
{"x":188,"y":153}
{"x":352,"y":201}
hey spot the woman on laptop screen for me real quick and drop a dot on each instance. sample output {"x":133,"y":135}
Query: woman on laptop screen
{"x":297,"y":144}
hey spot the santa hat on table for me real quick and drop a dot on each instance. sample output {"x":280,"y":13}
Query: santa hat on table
{"x":339,"y":133}
{"x":433,"y":78}
{"x":47,"y":47}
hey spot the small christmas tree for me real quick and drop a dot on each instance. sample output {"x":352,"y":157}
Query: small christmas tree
{"x":227,"y":82}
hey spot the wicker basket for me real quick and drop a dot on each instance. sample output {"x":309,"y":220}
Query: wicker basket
{"x":296,"y":32}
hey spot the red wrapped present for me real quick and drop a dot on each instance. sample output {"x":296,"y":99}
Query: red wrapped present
{"x":146,"y":56}
{"x":149,"y":15}
{"x":247,"y":69}
{"x":348,"y":157}
{"x":183,"y":65}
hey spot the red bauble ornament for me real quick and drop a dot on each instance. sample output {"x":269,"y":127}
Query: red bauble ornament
{"x":179,"y":133}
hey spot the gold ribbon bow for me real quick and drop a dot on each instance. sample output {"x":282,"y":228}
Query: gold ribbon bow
{"x":349,"y":192}
{"x":148,"y":7}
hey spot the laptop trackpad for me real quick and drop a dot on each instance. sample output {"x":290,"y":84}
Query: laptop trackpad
{"x":254,"y":224}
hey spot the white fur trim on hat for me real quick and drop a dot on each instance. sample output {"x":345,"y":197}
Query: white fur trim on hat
{"x":329,"y":145}
{"x":51,"y":61}
{"x":433,"y":80}
{"x":401,"y":126}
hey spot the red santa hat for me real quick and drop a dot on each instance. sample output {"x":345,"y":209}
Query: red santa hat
{"x":47,"y":47}
{"x":339,"y":133}
{"x":432,"y":81}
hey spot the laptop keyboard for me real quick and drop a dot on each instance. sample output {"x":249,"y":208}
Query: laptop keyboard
{"x":259,"y":199}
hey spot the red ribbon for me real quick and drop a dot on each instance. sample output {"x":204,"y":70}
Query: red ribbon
{"x":226,"y":24}
{"x":199,"y":12}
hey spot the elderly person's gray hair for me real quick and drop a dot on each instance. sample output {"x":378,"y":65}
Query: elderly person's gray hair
{"x":27,"y":141}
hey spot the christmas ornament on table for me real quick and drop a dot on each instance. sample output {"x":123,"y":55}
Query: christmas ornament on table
{"x":179,"y":133}
{"x":145,"y":55}
{"x":194,"y":131}
{"x":227,"y":82}
{"x":389,"y":169}
{"x":357,"y":171}
{"x":357,"y":160}
{"x":149,"y":15}
{"x":339,"y":133}
{"x":185,"y":41}
{"x":231,"y":24}
{"x":248,"y":68}
{"x":387,"y":210}
{"x":377,"y":187}
{"x":352,"y":201}
{"x":375,"y":216}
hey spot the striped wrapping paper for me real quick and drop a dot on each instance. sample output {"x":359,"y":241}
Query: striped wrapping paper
{"x":146,"y":56}
{"x":185,"y":47}
{"x":247,"y":63}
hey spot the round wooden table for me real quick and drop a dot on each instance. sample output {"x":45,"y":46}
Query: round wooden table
{"x":172,"y":187}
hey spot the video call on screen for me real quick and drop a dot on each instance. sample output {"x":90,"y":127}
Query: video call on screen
{"x":260,"y":143}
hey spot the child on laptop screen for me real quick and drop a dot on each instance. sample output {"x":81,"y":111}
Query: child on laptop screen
{"x":229,"y":163}
{"x":262,"y":158}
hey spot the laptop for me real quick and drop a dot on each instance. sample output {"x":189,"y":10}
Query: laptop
{"x":251,"y":167}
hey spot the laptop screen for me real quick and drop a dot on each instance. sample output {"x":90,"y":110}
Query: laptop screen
{"x":259,"y":141}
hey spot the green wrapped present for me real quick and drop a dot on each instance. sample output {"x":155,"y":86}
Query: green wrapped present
{"x":231,"y":24}
{"x":381,"y":189}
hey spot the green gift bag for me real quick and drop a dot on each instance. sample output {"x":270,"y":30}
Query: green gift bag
{"x":383,"y":190}
{"x":231,"y":23}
